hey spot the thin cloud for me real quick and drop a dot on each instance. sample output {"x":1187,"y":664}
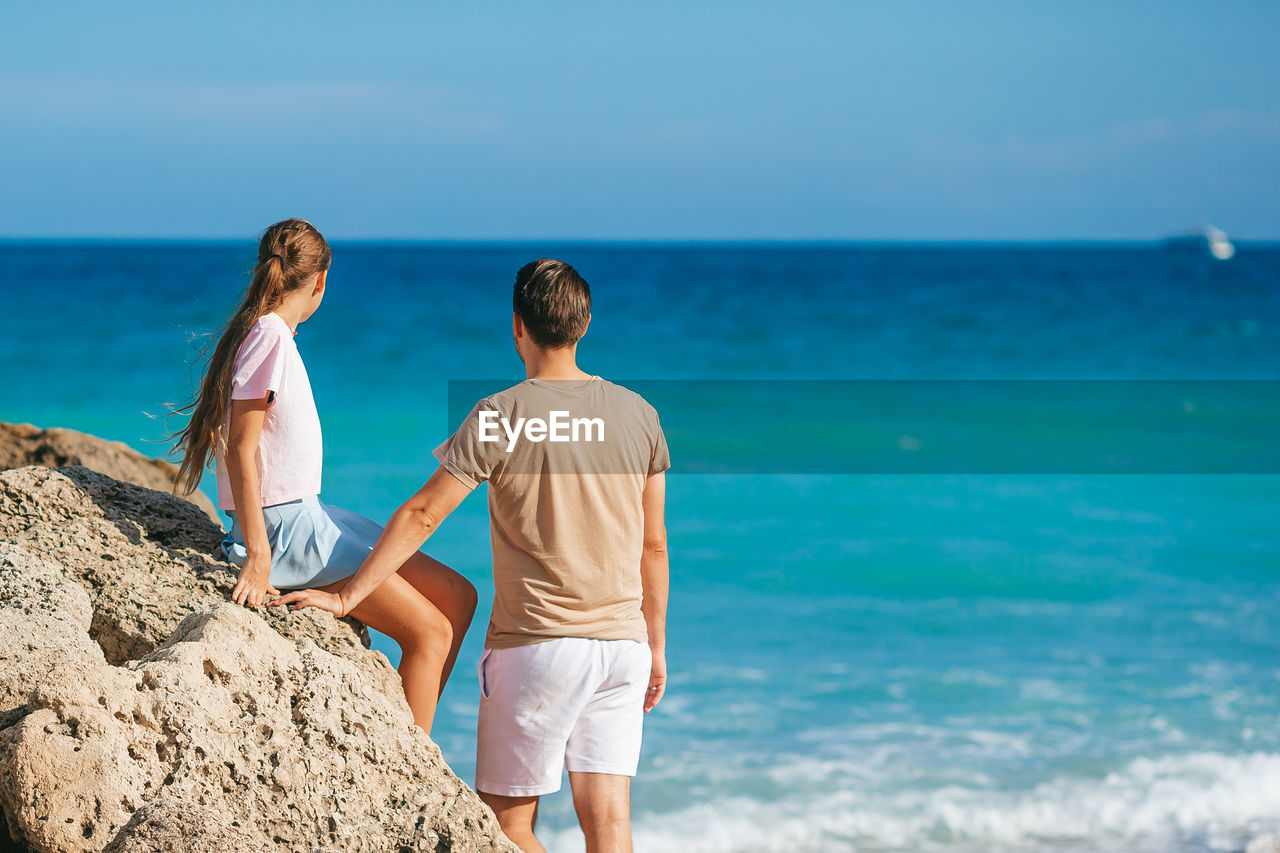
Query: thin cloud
{"x":1088,"y":151}
{"x":250,"y":104}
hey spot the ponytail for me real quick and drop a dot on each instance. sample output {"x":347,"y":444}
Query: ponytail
{"x":289,"y":254}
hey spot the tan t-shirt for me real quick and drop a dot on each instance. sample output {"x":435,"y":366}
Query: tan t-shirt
{"x":564,"y":505}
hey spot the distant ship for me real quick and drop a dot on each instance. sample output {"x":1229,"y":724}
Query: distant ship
{"x":1206,"y":237}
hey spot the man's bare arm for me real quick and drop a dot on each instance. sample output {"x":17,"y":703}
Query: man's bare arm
{"x":410,"y":526}
{"x":655,"y":579}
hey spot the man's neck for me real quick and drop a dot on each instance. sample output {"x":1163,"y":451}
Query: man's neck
{"x":553,"y":365}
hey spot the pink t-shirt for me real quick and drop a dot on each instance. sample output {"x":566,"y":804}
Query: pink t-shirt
{"x":290,"y":450}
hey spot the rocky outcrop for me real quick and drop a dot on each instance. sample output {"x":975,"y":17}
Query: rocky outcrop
{"x":23,"y":444}
{"x":140,"y":711}
{"x":147,"y":560}
{"x":44,"y":622}
{"x":287,"y":741}
{"x":168,"y":826}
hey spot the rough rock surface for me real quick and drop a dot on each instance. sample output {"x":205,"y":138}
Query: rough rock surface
{"x":7,"y":843}
{"x":44,"y":622}
{"x":140,"y":712}
{"x":169,"y":826}
{"x":23,"y":444}
{"x":146,"y":560}
{"x":286,"y":740}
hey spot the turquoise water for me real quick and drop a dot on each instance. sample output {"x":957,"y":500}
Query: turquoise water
{"x":902,"y":657}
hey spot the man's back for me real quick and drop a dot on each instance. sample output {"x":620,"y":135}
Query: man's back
{"x":566,"y":463}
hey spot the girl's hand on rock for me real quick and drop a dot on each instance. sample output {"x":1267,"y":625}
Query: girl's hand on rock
{"x":330,"y":601}
{"x":254,"y":584}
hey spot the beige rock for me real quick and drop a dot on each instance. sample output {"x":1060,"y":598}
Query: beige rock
{"x":44,"y":623}
{"x":147,"y":560}
{"x":233,"y":731}
{"x":291,"y":743}
{"x":169,"y":826}
{"x":8,"y":843}
{"x":23,"y":444}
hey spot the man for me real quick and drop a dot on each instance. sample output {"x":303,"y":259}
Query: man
{"x":574,"y":655}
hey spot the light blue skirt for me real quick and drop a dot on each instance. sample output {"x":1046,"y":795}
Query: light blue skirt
{"x":312,"y":544}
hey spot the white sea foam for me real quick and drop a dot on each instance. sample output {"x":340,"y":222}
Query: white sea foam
{"x":1200,"y":801}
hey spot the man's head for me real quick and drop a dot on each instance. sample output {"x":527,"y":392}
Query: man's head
{"x":552,"y":303}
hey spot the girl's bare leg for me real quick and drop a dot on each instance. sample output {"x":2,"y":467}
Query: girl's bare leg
{"x":450,"y":592}
{"x":425,"y":634}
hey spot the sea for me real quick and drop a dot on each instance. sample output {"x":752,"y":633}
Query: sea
{"x":974,"y":547}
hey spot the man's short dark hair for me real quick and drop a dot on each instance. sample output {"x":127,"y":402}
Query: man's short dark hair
{"x":553,"y":301}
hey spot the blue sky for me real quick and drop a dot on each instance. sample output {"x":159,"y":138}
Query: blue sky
{"x":693,"y":120}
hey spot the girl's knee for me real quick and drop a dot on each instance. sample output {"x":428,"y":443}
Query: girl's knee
{"x":468,"y":598}
{"x":433,"y":632}
{"x":463,"y":597}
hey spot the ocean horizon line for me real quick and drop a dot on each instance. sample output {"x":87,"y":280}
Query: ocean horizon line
{"x":596,"y":243}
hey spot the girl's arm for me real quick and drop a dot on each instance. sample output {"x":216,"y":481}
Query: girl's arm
{"x":254,"y":583}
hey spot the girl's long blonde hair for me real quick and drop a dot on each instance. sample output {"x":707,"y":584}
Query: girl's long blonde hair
{"x":290,"y":253}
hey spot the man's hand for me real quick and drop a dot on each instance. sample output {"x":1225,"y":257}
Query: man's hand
{"x":318,"y":598}
{"x":657,"y":680}
{"x":655,"y":581}
{"x":254,"y":583}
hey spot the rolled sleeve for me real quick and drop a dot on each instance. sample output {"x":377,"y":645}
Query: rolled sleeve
{"x":465,"y":456}
{"x":660,"y":456}
{"x":442,"y":456}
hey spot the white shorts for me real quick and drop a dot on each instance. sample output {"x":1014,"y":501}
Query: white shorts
{"x":570,"y":703}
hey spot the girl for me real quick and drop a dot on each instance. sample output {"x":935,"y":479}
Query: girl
{"x":255,"y":416}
